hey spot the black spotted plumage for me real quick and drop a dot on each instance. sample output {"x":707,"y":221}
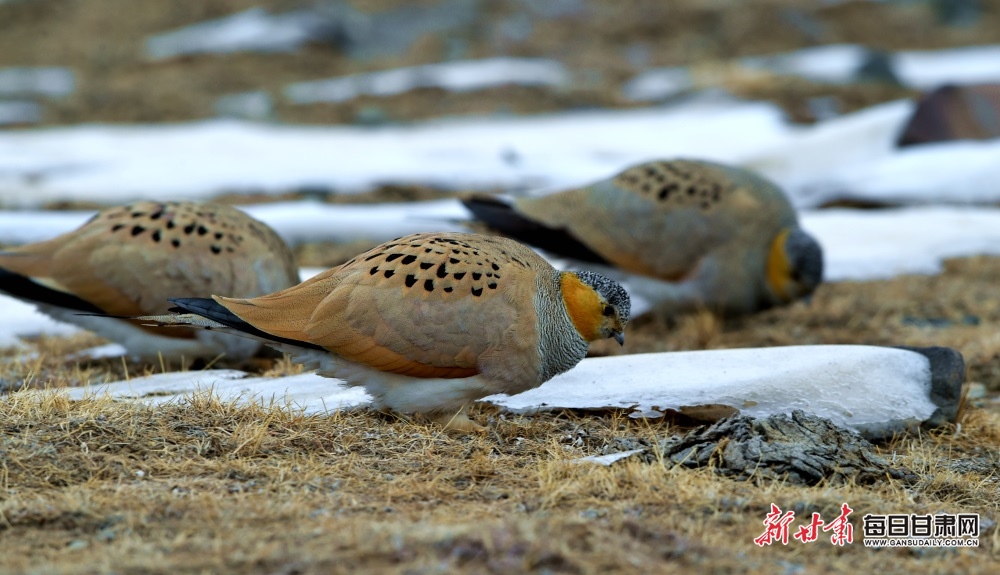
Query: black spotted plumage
{"x":171,"y":221}
{"x":128,"y":260}
{"x":459,"y":268}
{"x":676,"y":182}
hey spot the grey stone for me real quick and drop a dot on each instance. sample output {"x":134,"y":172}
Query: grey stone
{"x":255,"y":105}
{"x":947,"y":378}
{"x":394,"y":31}
{"x":958,"y":12}
{"x":878,"y":67}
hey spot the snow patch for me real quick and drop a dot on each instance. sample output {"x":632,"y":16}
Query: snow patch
{"x":862,"y":387}
{"x":117,"y":164}
{"x":462,"y":76}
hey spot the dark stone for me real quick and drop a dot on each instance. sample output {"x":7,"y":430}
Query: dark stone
{"x":954,"y":112}
{"x":878,"y":67}
{"x":958,"y":12}
{"x":947,"y":378}
{"x":10,"y":385}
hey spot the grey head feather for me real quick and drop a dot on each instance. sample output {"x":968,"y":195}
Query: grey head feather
{"x":610,"y":290}
{"x":806,"y":258}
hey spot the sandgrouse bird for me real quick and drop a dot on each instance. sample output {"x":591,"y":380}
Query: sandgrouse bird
{"x":721,"y":237}
{"x":429,"y":322}
{"x":127,"y":260}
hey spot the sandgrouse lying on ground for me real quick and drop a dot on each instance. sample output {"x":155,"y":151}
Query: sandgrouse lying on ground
{"x":721,"y":237}
{"x":428,"y":323}
{"x":126,"y":261}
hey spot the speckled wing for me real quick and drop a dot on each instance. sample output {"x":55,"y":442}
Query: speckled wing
{"x":661,"y":218}
{"x":129,"y":260}
{"x":440,"y":305}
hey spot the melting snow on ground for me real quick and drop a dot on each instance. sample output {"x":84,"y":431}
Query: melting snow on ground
{"x":850,"y":157}
{"x":461,"y":76}
{"x":872,"y":389}
{"x":115,"y":164}
{"x":839,"y":64}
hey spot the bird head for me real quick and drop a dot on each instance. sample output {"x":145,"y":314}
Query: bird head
{"x":598,"y":306}
{"x":794,"y":265}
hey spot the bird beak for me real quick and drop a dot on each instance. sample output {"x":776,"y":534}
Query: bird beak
{"x":620,"y":338}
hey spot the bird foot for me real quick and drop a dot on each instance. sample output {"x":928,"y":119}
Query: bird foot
{"x":457,"y":422}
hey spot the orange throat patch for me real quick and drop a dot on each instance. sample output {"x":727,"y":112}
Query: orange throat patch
{"x":779,"y":269}
{"x":582,"y":305}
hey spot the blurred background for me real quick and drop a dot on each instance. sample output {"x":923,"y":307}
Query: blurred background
{"x":66,"y":61}
{"x":880,"y":119}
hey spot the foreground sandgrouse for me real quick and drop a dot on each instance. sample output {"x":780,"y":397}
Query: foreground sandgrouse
{"x":428,"y":323}
{"x":725,"y":239}
{"x":126,"y":261}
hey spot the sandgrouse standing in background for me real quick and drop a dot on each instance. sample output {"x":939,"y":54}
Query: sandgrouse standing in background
{"x":724,"y":238}
{"x":428,"y":323}
{"x":126,"y":261}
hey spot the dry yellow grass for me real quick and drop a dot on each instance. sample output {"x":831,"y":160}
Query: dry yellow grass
{"x":203,"y":486}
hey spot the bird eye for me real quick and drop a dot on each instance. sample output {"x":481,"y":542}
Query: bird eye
{"x":608,"y":311}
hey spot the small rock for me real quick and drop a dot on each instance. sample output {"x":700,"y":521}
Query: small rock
{"x":372,"y":116}
{"x":954,"y":112}
{"x":106,"y":535}
{"x":256,"y":105}
{"x":514,"y":29}
{"x":878,"y":67}
{"x":658,"y":84}
{"x":10,"y":385}
{"x":976,"y":391}
{"x":958,"y":12}
{"x":15,"y":112}
{"x":823,"y":108}
{"x":805,"y":23}
{"x":393,"y":32}
{"x":593,"y":513}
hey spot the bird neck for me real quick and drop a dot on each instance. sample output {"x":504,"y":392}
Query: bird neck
{"x":779,"y":269}
{"x":581,"y":303}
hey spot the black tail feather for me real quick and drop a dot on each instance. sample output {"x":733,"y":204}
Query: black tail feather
{"x":502,"y":217}
{"x":25,"y":288}
{"x":213,"y":310}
